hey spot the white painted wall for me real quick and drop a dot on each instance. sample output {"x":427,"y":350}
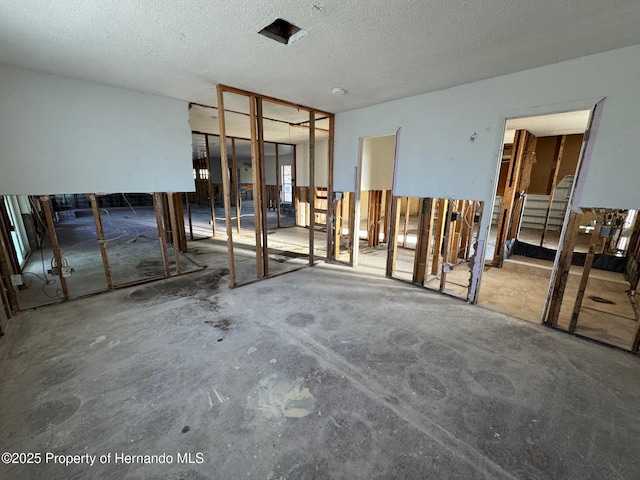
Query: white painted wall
{"x":377,"y":162}
{"x":59,"y":135}
{"x":438,"y":159}
{"x":321,"y":163}
{"x":270,"y":166}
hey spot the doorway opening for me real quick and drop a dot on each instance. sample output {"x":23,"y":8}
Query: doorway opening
{"x":538,"y":168}
{"x":372,"y":203}
{"x":595,"y":292}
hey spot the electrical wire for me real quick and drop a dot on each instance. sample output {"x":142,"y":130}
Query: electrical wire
{"x":131,"y":207}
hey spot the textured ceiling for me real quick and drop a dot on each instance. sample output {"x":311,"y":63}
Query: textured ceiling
{"x":377,"y":50}
{"x":567,"y":123}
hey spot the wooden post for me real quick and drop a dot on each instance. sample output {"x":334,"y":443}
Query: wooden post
{"x":437,"y":244}
{"x":393,"y":213}
{"x":10,"y":299}
{"x":5,"y":299}
{"x":226,"y":187}
{"x":182,"y":234}
{"x":595,"y":236}
{"x":454,"y":233}
{"x":445,"y":247}
{"x":157,"y":205}
{"x":5,"y":231}
{"x":54,"y":244}
{"x":564,"y":265}
{"x":168,"y":231}
{"x":553,"y":183}
{"x":354,"y":234}
{"x":523,"y":185}
{"x":466,"y":233}
{"x":263,"y":186}
{"x":511,"y":188}
{"x":337,"y":231}
{"x":406,"y":222}
{"x":331,"y":207}
{"x":387,"y":216}
{"x":635,"y":343}
{"x":294,"y":186}
{"x":235,"y":183}
{"x":312,"y":184}
{"x":426,"y":215}
{"x":100,"y":234}
{"x":257,"y":187}
{"x":212,"y":200}
{"x":278,"y":186}
{"x":307,"y":207}
{"x":174,"y":231}
{"x":189,"y":215}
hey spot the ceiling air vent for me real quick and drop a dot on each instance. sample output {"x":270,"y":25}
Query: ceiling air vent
{"x":282,"y":31}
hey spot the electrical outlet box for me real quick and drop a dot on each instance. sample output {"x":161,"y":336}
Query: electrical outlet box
{"x":67,"y":271}
{"x":17,"y":280}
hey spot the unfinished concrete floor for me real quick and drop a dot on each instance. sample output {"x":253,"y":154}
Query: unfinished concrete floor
{"x":520,"y":288}
{"x":322,"y":373}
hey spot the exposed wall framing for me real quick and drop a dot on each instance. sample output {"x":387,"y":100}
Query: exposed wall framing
{"x":312,"y":210}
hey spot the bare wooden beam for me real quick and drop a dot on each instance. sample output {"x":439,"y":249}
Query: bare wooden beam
{"x":212,"y":200}
{"x":101,"y":243}
{"x":312,"y":184}
{"x":257,"y":190}
{"x":466,"y":233}
{"x":226,"y":187}
{"x":564,"y":265}
{"x":635,"y":343}
{"x":9,"y":295}
{"x":445,"y":246}
{"x":5,"y":230}
{"x":174,"y":231}
{"x":437,"y":244}
{"x":393,"y":213}
{"x":263,"y":186}
{"x":226,"y":88}
{"x":387,"y":215}
{"x":553,"y":182}
{"x":54,"y":245}
{"x":511,"y":188}
{"x":331,"y":223}
{"x":337,"y":231}
{"x":354,"y":235}
{"x":235,"y":183}
{"x":294,"y":186}
{"x":182,"y":234}
{"x":157,"y":206}
{"x":189,"y":216}
{"x":406,"y":222}
{"x":595,"y":236}
{"x":231,"y":137}
{"x":426,"y":215}
{"x":278,"y":186}
{"x":454,"y":234}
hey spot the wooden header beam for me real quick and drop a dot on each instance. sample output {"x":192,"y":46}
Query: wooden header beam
{"x":230,"y":137}
{"x":284,"y":103}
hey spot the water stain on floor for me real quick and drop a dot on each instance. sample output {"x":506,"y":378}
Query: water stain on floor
{"x":276,"y":397}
